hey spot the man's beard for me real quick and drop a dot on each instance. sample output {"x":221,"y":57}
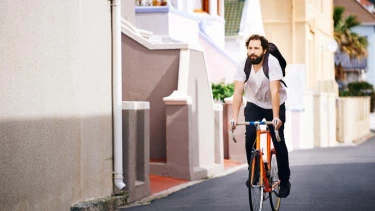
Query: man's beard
{"x":256,"y":60}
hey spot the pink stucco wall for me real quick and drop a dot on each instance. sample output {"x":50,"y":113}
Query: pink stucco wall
{"x":150,"y":75}
{"x":219,"y":66}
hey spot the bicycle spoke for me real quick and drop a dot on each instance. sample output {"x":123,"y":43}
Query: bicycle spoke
{"x":275,"y":184}
{"x":255,"y":189}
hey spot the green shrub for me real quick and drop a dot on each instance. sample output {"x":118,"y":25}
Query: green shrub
{"x":361,"y":88}
{"x":220,"y":91}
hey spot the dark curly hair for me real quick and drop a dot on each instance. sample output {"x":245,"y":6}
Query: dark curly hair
{"x":263,"y":41}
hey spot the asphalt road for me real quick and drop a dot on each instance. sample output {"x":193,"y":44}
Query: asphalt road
{"x":323,"y":179}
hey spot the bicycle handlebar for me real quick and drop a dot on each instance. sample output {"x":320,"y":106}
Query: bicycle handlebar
{"x":255,"y":123}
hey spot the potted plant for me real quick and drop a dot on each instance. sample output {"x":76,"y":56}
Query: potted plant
{"x":159,"y":2}
{"x":155,"y":3}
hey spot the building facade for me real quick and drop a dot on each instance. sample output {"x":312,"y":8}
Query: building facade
{"x":56,"y":115}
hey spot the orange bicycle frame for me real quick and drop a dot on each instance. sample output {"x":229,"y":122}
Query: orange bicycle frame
{"x":268,"y":148}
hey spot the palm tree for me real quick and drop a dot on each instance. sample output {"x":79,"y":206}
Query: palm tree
{"x":349,"y":42}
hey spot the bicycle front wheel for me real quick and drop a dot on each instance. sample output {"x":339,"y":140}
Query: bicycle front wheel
{"x":255,"y":189}
{"x":275,"y":184}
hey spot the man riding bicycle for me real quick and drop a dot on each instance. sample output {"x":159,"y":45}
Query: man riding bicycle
{"x":265,"y":98}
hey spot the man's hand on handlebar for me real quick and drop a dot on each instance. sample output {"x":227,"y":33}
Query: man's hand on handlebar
{"x":277,"y":123}
{"x":232,"y":124}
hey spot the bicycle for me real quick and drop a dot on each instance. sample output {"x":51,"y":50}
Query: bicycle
{"x":263,"y":176}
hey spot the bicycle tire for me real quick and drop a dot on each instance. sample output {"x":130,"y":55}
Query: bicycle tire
{"x":254,"y":189}
{"x":275,"y":200}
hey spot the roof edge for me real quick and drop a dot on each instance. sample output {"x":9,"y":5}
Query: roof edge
{"x":363,"y":7}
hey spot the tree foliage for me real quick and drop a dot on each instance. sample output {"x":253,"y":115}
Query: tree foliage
{"x":220,"y":91}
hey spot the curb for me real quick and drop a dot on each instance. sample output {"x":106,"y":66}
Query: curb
{"x":106,"y":203}
{"x":365,"y":138}
{"x":161,"y":194}
{"x":174,"y":189}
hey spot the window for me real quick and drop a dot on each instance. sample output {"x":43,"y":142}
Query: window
{"x":201,"y":6}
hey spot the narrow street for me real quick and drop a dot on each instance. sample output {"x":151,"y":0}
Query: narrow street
{"x":323,"y":179}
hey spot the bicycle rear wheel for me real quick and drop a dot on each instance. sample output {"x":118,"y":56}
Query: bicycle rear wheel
{"x":255,"y":189}
{"x":275,"y":183}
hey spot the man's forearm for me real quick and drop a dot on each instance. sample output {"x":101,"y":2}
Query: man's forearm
{"x":237,"y":101}
{"x":275,"y":104}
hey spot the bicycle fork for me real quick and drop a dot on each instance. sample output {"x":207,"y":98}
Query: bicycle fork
{"x":264,"y":167}
{"x":263,"y":174}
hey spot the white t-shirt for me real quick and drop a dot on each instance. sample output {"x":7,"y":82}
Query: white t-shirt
{"x":257,"y":87}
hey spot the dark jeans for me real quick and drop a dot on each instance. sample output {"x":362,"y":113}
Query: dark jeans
{"x":256,"y":113}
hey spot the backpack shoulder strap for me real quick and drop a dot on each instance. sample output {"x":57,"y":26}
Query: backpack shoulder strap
{"x":266,"y":67}
{"x":265,"y":64}
{"x":247,"y":68}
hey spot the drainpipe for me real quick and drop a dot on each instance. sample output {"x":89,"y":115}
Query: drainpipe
{"x":117,"y":93}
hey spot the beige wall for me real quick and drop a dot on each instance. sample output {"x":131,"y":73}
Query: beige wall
{"x":353,"y":119}
{"x":306,"y":27}
{"x":55,"y":115}
{"x":150,"y":75}
{"x":303,"y":29}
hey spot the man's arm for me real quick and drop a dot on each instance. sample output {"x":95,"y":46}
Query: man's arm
{"x":237,"y":100}
{"x":275,"y":98}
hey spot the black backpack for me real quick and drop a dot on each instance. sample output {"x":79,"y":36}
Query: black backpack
{"x":274,"y":51}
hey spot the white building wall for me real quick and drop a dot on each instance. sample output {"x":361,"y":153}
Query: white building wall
{"x":56,"y":103}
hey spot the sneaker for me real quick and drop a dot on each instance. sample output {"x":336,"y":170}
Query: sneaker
{"x":284,"y":189}
{"x":247,"y":183}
